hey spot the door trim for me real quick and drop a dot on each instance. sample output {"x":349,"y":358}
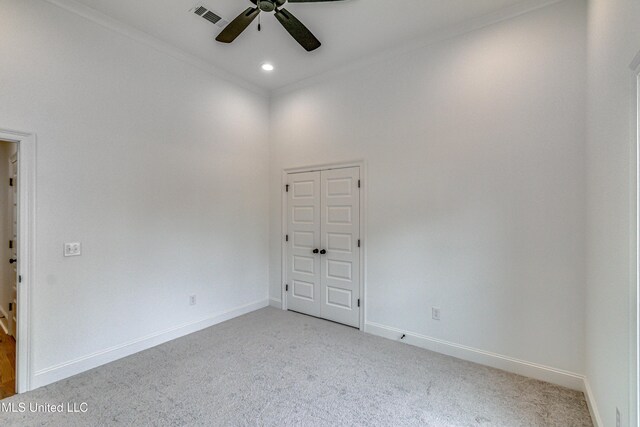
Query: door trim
{"x":634,"y":306}
{"x":363,"y":227}
{"x":26,"y":251}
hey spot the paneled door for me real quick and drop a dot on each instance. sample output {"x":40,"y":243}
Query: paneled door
{"x":323,"y":248}
{"x":340,"y":230}
{"x":303,"y":262}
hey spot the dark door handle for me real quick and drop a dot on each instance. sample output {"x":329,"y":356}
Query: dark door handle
{"x":315,"y":251}
{"x":12,"y":260}
{"x":322,"y":252}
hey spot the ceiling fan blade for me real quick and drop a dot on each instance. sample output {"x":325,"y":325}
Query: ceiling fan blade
{"x":238,"y":25}
{"x":297,"y":30}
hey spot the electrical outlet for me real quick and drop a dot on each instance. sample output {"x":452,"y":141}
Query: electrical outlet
{"x":618,"y":422}
{"x":435,"y":313}
{"x":192,"y":300}
{"x":72,"y":249}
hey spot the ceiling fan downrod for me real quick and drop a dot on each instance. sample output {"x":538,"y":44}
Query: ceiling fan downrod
{"x":259,"y":19}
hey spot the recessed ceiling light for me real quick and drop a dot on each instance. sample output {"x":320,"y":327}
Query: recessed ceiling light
{"x":267,"y":67}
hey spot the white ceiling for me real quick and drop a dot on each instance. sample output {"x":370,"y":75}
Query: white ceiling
{"x":350,"y":30}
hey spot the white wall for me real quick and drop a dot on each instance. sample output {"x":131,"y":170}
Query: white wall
{"x":157,"y":167}
{"x":476,"y":182}
{"x":614,"y":39}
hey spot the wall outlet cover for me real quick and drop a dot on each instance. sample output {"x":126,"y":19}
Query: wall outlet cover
{"x":72,"y":249}
{"x":435,"y":313}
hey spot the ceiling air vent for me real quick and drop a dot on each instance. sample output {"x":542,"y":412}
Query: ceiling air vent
{"x":209,"y":16}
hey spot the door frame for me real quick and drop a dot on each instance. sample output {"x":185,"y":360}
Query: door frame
{"x":26,"y":251}
{"x":363,"y":227}
{"x":634,"y":292}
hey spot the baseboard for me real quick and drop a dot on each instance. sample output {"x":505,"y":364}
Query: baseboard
{"x":591,"y":403}
{"x":275,"y":302}
{"x":73,"y":367}
{"x":532,"y":370}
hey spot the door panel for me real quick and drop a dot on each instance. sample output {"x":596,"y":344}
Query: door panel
{"x":340,"y":230}
{"x":304,"y":290}
{"x":340,"y":242}
{"x":339,"y":298}
{"x":303,"y":265}
{"x":339,"y":270}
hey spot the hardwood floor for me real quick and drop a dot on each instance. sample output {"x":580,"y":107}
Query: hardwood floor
{"x":7,"y":365}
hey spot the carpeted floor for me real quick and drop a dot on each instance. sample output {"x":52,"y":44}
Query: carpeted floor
{"x":280,"y":368}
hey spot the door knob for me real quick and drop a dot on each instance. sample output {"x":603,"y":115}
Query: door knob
{"x":322,"y":252}
{"x":315,"y":251}
{"x":12,"y":260}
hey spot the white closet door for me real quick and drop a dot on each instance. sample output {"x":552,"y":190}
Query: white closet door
{"x":304,"y":237}
{"x":340,"y":229}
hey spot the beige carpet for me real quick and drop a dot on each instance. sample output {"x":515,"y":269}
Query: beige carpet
{"x":279,"y":368}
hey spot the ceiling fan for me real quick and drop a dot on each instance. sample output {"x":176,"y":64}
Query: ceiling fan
{"x":297,"y":30}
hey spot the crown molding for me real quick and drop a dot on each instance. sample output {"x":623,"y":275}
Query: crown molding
{"x":635,"y":64}
{"x":154,"y":42}
{"x":422,"y":42}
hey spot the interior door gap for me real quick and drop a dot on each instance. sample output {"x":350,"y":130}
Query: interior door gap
{"x":320,"y":318}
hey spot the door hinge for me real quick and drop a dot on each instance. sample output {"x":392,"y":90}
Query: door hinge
{"x":10,"y":306}
{"x":20,"y":279}
{"x":358,"y":242}
{"x":286,"y":238}
{"x":287,"y":187}
{"x":10,"y":182}
{"x":358,"y":302}
{"x":10,"y":244}
{"x":358,"y":183}
{"x":286,"y":288}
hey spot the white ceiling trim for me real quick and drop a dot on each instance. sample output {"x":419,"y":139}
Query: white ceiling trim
{"x":422,"y":42}
{"x":635,"y":64}
{"x":153,"y":42}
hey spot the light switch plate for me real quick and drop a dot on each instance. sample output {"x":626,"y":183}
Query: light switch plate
{"x":72,"y":249}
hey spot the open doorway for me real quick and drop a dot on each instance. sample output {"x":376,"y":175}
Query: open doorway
{"x":8,"y":266}
{"x":22,"y":169}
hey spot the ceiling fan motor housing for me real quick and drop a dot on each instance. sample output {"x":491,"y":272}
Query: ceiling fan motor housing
{"x":268,"y":5}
